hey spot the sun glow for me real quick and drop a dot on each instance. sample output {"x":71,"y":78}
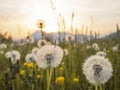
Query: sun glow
{"x":51,"y":25}
{"x":33,"y":14}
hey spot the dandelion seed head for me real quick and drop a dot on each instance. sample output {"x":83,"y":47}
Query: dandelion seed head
{"x":35,"y":50}
{"x":65,"y":51}
{"x":41,"y":43}
{"x":69,"y":38}
{"x":101,"y":53}
{"x":115,"y":48}
{"x":3,"y":46}
{"x":1,"y":52}
{"x":49,"y":56}
{"x":95,"y":46}
{"x":88,"y":47}
{"x":97,"y":69}
{"x":30,"y":40}
{"x":30,"y":58}
{"x":13,"y":55}
{"x":8,"y":54}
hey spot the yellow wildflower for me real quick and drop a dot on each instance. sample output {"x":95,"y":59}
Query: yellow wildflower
{"x":25,"y":64}
{"x":38,"y":76}
{"x":22,"y":72}
{"x":75,"y":80}
{"x":60,"y":80}
{"x":38,"y":69}
{"x":30,"y":65}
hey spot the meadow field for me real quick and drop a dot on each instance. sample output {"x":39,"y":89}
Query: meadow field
{"x":21,"y":72}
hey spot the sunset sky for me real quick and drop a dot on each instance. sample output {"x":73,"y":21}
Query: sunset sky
{"x":18,"y":17}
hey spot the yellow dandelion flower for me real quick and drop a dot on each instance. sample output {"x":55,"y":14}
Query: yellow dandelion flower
{"x":25,"y":64}
{"x":22,"y":72}
{"x":38,"y":69}
{"x":30,"y":65}
{"x":60,"y":80}
{"x":38,"y":76}
{"x":75,"y":80}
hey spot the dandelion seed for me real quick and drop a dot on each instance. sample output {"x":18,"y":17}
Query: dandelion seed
{"x":49,"y":56}
{"x":1,"y":52}
{"x":13,"y":55}
{"x":65,"y":51}
{"x":42,"y":43}
{"x":30,"y":40}
{"x":95,"y":46}
{"x":97,"y":69}
{"x":31,"y":58}
{"x":3,"y":46}
{"x":35,"y":50}
{"x":57,"y":42}
{"x":101,"y":53}
{"x":40,"y":23}
{"x":88,"y":47}
{"x":115,"y":48}
{"x":69,"y":38}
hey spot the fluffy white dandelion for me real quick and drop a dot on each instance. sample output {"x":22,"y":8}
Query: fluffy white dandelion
{"x":1,"y":52}
{"x":101,"y":53}
{"x":95,"y":46}
{"x":13,"y":55}
{"x":97,"y":70}
{"x":49,"y":56}
{"x":8,"y":54}
{"x":105,"y":49}
{"x":31,"y":58}
{"x":42,"y":43}
{"x":57,"y":42}
{"x":35,"y":50}
{"x":76,"y":45}
{"x":30,"y":40}
{"x":65,"y":51}
{"x":88,"y":47}
{"x":3,"y":46}
{"x":69,"y":37}
{"x":115,"y":48}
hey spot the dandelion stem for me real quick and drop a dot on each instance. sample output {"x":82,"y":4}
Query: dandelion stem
{"x":49,"y":76}
{"x":62,"y":87}
{"x":101,"y":87}
{"x":33,"y":86}
{"x":13,"y":86}
{"x":96,"y":87}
